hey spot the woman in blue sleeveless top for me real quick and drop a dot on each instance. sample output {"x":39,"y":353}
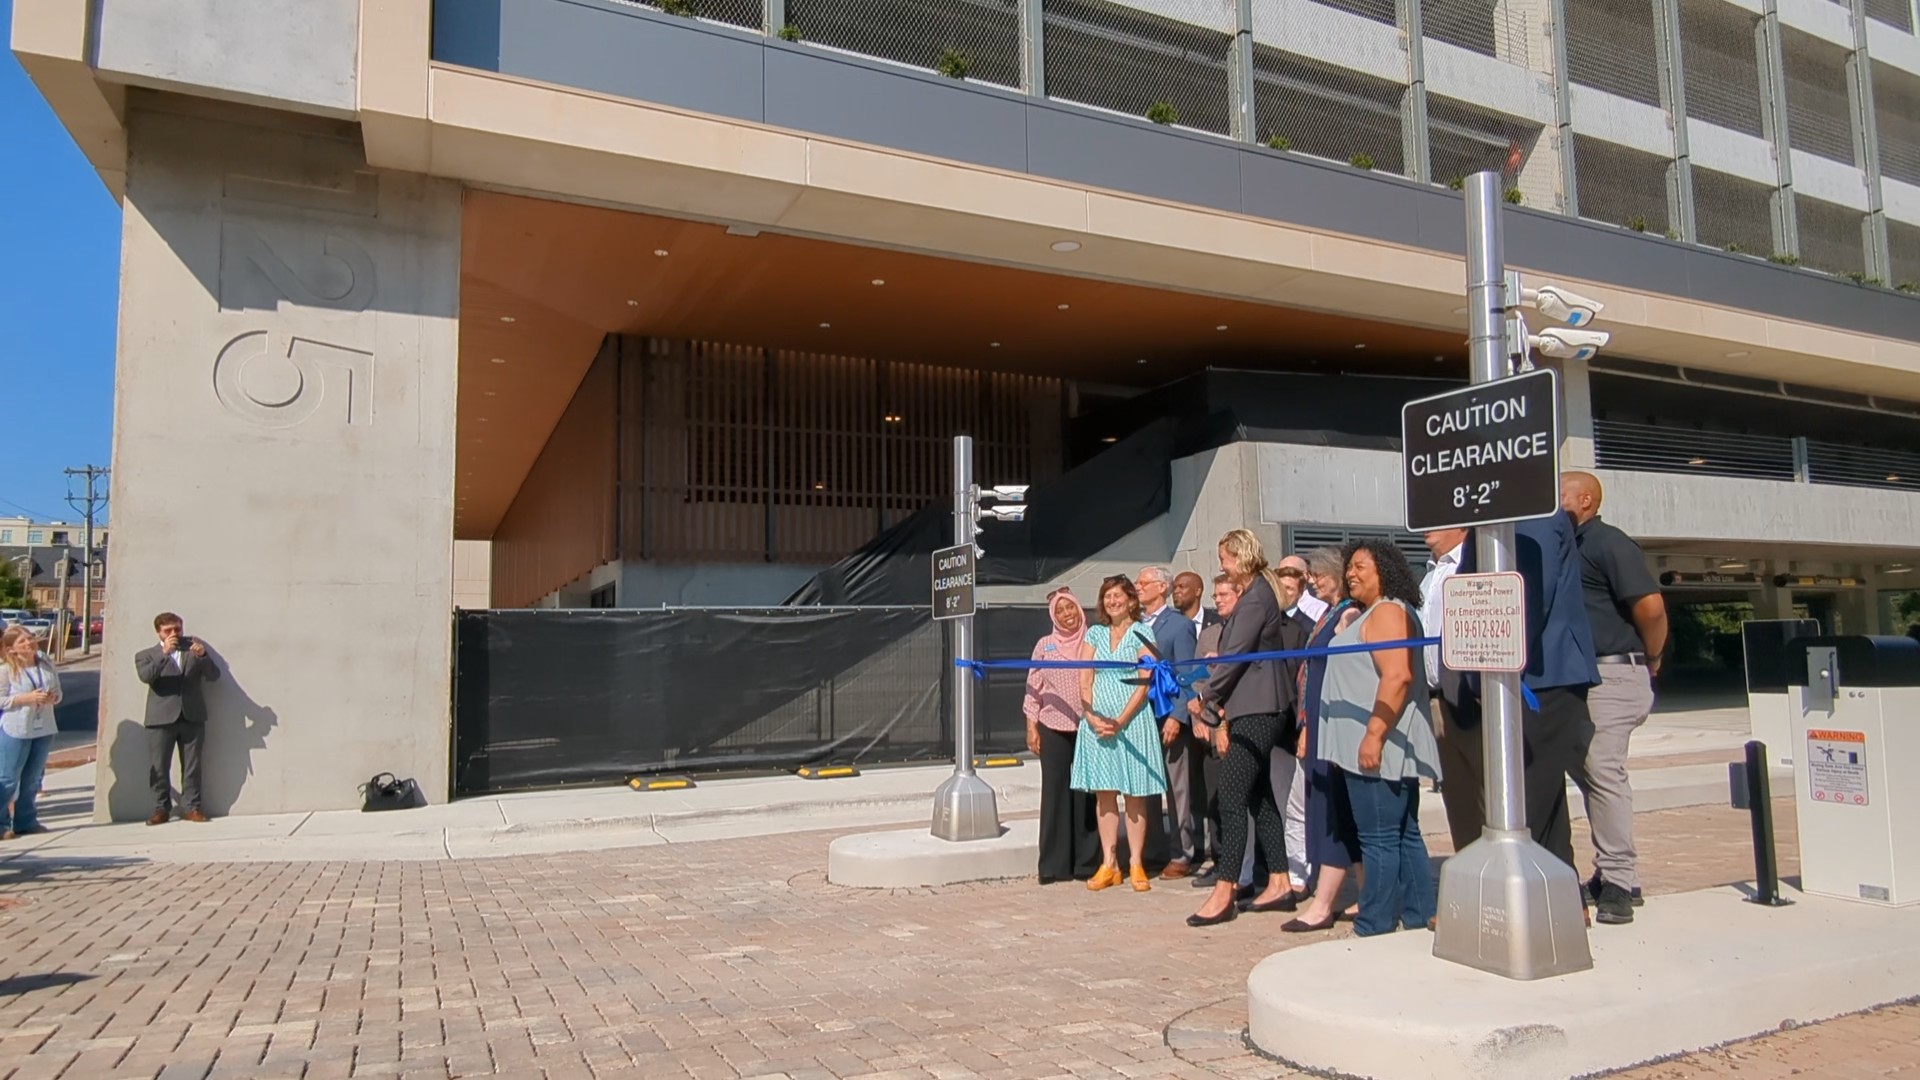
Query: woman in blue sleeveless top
{"x":1118,"y":748}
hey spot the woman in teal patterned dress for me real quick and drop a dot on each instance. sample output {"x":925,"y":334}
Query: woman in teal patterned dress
{"x":1116,"y":753}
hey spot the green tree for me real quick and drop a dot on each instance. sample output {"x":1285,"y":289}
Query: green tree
{"x":13,"y":591}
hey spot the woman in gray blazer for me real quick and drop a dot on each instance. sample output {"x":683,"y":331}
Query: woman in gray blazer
{"x":1257,"y":702}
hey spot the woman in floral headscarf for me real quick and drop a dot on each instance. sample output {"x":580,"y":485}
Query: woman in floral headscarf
{"x":1069,"y":848}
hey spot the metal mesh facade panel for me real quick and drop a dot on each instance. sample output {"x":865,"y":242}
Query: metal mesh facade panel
{"x":1830,"y":237}
{"x":1500,"y":30}
{"x":732,"y":12}
{"x":1896,"y":113}
{"x":1328,"y":111}
{"x":1903,"y":243}
{"x":1610,"y":47}
{"x":1892,"y":12}
{"x":1732,"y":213}
{"x":1134,"y":59}
{"x":1818,"y":117}
{"x":1621,"y":186}
{"x":1380,"y":11}
{"x":1465,"y":139}
{"x":1722,"y":64}
{"x":975,"y":39}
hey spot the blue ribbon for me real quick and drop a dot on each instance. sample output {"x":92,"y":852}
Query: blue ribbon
{"x":1165,"y":686}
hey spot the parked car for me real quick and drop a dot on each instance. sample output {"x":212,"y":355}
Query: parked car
{"x":42,"y":628}
{"x":13,"y":616}
{"x":95,"y":628}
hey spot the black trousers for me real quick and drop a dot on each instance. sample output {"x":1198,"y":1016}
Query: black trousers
{"x":1069,"y":839}
{"x":1245,"y":783}
{"x":161,"y":744}
{"x":1554,"y":737}
{"x":1557,"y":737}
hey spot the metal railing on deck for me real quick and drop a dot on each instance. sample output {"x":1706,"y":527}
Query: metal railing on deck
{"x":1648,"y":448}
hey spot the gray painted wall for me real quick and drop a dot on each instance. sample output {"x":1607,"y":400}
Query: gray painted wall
{"x":618,"y":49}
{"x":298,"y":54}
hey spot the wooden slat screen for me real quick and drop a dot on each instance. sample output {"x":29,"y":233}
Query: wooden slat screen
{"x":733,"y":454}
{"x":561,"y":524}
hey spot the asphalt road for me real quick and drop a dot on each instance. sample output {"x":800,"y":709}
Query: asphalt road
{"x":79,"y":708}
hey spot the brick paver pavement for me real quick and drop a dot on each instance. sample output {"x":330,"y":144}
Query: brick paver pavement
{"x":713,"y":960}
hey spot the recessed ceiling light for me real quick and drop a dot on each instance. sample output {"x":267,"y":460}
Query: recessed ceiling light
{"x":662,"y":252}
{"x":1142,"y":360}
{"x":818,"y":486}
{"x":1737,"y":354}
{"x":499,"y":359}
{"x":826,"y":326}
{"x":508,"y":318}
{"x":879,"y":281}
{"x":1439,"y":359}
{"x":1222,"y":326}
{"x":1362,"y":345}
{"x":633,"y":303}
{"x":1111,"y":438}
{"x":492,"y":393}
{"x":994,"y":345}
{"x":1066,"y":245}
{"x":1064,"y":307}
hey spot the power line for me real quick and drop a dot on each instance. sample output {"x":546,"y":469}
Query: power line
{"x":25,"y":510}
{"x":89,"y":504}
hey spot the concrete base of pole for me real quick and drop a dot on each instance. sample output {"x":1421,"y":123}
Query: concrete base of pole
{"x":964,"y":809}
{"x":1692,"y":971}
{"x":914,"y":857}
{"x":1509,"y":907}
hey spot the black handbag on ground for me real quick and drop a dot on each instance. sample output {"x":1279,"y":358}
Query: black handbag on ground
{"x":385,"y":792}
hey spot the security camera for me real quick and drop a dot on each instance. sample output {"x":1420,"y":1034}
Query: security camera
{"x":1557,"y":343}
{"x":1564,"y":304}
{"x":1004,"y":513}
{"x":1007,"y":492}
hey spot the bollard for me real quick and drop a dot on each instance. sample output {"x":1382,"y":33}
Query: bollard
{"x":1766,"y":871}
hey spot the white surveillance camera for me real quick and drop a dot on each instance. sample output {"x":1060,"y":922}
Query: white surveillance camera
{"x":1565,"y":305}
{"x":1557,"y":343}
{"x":1008,"y":492}
{"x":1005,"y":513}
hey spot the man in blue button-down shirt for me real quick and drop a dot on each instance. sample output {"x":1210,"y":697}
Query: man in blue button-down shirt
{"x":1560,"y":668}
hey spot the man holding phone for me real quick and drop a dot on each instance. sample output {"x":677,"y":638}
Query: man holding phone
{"x":175,"y":671}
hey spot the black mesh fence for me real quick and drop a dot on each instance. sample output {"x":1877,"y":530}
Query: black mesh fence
{"x":746,"y":13}
{"x":1721,"y":64}
{"x":1896,"y":110}
{"x":1831,"y":236}
{"x":1621,"y":186}
{"x":1168,"y":64}
{"x":1610,"y":47}
{"x":549,"y":698}
{"x":1819,"y":117}
{"x":961,"y":39}
{"x":1733,"y":213}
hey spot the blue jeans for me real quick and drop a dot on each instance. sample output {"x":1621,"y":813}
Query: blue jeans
{"x":1399,"y":886}
{"x":23,"y":762}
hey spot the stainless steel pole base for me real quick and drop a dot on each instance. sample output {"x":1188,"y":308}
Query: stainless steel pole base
{"x":1509,"y":907}
{"x":963,"y":809}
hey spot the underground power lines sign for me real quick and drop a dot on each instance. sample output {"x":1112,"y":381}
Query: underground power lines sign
{"x":1483,"y":454}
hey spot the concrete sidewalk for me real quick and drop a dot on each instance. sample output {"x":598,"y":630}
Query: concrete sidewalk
{"x":595,"y":819}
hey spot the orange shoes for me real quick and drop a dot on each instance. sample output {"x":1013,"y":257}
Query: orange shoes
{"x":1107,"y":877}
{"x":1140,"y":883}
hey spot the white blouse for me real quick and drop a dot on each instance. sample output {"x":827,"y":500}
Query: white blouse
{"x":29,"y":721}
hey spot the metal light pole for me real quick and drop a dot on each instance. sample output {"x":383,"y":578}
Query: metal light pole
{"x":1507,"y":905}
{"x":963,"y":806}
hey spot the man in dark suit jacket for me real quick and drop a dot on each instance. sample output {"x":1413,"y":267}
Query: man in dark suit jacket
{"x":1560,"y":668}
{"x":175,"y":671}
{"x":1173,"y":639}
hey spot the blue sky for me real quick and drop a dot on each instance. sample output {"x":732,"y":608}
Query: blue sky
{"x":59,"y":298}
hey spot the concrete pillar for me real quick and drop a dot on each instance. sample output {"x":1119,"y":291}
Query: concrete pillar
{"x":283,"y":456}
{"x":1576,"y":418}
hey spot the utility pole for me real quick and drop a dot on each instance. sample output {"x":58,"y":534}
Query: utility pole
{"x":90,"y":505}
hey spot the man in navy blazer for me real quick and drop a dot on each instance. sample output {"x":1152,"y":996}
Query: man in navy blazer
{"x":1174,"y":638}
{"x":1560,"y":668}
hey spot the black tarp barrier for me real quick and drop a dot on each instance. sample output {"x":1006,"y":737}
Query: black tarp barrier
{"x":548,"y":698}
{"x":1126,"y":484}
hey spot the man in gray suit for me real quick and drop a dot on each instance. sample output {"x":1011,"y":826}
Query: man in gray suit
{"x":1173,"y":639}
{"x":175,"y":670}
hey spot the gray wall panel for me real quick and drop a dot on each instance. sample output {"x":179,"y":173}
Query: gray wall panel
{"x":295,"y":52}
{"x":606,"y":46}
{"x":1134,"y":156}
{"x":599,"y":45}
{"x":867,"y":102}
{"x":1328,"y":196}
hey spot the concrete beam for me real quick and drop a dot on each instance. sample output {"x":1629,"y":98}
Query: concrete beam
{"x":50,"y":39}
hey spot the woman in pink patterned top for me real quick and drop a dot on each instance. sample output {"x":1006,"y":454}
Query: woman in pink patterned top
{"x":1069,"y":847}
